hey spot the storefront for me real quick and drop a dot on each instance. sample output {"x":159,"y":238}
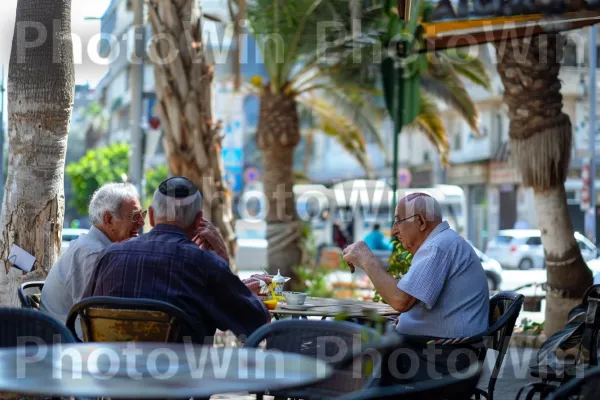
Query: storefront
{"x":473,"y":179}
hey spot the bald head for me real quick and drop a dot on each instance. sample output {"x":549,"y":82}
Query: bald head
{"x":420,"y":203}
{"x":417,"y":215}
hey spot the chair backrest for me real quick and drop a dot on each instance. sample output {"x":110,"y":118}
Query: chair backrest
{"x":457,"y":385}
{"x":30,"y":293}
{"x":18,"y":324}
{"x":585,"y":388}
{"x":591,"y":301}
{"x":332,"y":341}
{"x":504,"y":311}
{"x":115,"y":319}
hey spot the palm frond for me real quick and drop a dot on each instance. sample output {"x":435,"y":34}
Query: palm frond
{"x":335,"y":124}
{"x":428,"y":122}
{"x":468,"y":67}
{"x":286,"y":31}
{"x":448,"y":88}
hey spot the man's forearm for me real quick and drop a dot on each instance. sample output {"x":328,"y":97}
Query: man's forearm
{"x":387,"y":286}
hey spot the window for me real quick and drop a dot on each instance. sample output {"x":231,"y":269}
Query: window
{"x":504,"y":239}
{"x":534,"y":241}
{"x":570,"y":55}
{"x":457,"y":141}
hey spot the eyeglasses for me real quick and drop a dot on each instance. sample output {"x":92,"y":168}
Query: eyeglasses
{"x":138,"y":216}
{"x":399,"y":221}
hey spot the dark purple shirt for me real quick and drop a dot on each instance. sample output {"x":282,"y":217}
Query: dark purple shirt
{"x":166,"y":265}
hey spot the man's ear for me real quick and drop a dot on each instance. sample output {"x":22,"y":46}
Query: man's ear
{"x":151,"y":216}
{"x":422,"y":223}
{"x":107,"y":219}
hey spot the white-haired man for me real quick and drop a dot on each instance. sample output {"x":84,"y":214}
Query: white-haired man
{"x":116,"y":215}
{"x":445,"y":292}
{"x":181,"y":261}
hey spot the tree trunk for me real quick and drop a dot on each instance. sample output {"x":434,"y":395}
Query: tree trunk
{"x":568,"y":275}
{"x":184,"y":91}
{"x":40,"y":101}
{"x":541,"y":136}
{"x":278,"y":134}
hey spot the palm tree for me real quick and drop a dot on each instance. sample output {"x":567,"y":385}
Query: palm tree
{"x":97,"y":125}
{"x":184,"y":93}
{"x":540,"y":142}
{"x":40,"y":99}
{"x":340,"y":93}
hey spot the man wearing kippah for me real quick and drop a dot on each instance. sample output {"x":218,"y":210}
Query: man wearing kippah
{"x":182,"y":261}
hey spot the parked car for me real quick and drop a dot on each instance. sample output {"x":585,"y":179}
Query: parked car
{"x":522,"y":248}
{"x":69,"y":235}
{"x":493,"y":269}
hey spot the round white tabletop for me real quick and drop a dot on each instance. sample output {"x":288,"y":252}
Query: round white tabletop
{"x":152,"y":370}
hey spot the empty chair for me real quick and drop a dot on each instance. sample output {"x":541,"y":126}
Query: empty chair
{"x":356,"y":352}
{"x":16,"y":324}
{"x":449,"y":387}
{"x":115,"y":319}
{"x":30,"y":293}
{"x":586,"y":388}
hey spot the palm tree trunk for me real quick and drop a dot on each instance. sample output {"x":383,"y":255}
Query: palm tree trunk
{"x":40,"y":101}
{"x":541,"y":136}
{"x":568,"y":275}
{"x":184,"y":90}
{"x":278,"y":134}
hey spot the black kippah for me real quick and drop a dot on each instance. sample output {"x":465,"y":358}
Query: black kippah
{"x":178,"y":187}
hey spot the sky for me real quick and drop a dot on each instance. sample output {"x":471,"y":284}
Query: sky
{"x":86,"y":70}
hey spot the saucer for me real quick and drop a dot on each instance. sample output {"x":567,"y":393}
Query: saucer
{"x":302,"y":307}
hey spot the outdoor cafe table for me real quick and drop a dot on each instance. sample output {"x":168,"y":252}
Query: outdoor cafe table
{"x":158,"y":370}
{"x":326,"y":308}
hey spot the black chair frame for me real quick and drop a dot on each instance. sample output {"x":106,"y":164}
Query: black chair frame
{"x":191,"y":329}
{"x":554,"y":380}
{"x":446,"y":387}
{"x":24,"y":298}
{"x":574,"y":386}
{"x":496,"y":337}
{"x":383,"y":345}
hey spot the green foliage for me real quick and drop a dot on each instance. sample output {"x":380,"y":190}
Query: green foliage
{"x":400,"y":262}
{"x":312,"y":275}
{"x":105,"y":165}
{"x":154,"y":177}
{"x":94,"y":169}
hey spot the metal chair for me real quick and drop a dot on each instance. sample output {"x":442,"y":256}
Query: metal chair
{"x":115,"y":319}
{"x":586,"y":388}
{"x":18,"y":323}
{"x":453,"y":387}
{"x":504,"y":312}
{"x":359,"y":368}
{"x":581,"y":331}
{"x":30,"y":293}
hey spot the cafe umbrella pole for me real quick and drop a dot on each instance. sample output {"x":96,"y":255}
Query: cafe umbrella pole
{"x":397,"y":127}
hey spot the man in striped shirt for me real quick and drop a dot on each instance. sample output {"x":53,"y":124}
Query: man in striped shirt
{"x":445,"y":292}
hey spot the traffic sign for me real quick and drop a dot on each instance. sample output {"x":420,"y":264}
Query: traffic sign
{"x":251,"y":175}
{"x":404,"y":177}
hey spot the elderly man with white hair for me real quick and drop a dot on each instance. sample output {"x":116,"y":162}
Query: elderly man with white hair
{"x":116,"y":215}
{"x":181,"y":261}
{"x":445,"y":292}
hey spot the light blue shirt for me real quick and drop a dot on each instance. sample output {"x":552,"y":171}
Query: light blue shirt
{"x":376,"y":241}
{"x":447,"y":279}
{"x":68,"y":277}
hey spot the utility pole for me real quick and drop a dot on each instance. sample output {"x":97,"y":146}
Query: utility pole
{"x":593,"y":52}
{"x":2,"y":90}
{"x":136,"y":152}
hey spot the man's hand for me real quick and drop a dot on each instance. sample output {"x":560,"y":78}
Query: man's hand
{"x":358,"y":255}
{"x":209,"y":239}
{"x":253,"y":282}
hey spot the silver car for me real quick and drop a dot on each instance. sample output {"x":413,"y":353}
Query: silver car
{"x":522,"y":248}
